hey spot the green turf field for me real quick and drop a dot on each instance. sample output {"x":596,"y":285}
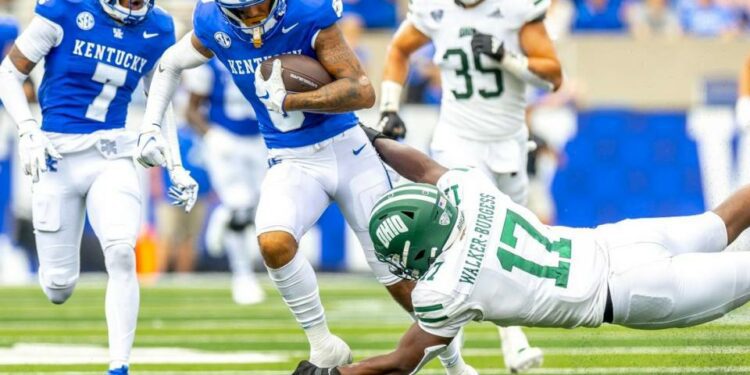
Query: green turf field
{"x":191,"y":326}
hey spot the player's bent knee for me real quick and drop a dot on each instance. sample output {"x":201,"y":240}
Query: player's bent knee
{"x":277,"y":248}
{"x":119,"y":259}
{"x":58,"y":287}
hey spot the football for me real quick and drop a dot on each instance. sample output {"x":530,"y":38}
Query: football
{"x":300,"y":73}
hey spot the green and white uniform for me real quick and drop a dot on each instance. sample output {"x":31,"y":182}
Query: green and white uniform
{"x":510,"y":269}
{"x":483,"y":108}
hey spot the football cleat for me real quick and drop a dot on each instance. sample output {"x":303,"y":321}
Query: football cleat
{"x":334,"y":352}
{"x":524,"y":360}
{"x":246,"y":291}
{"x":118,"y":371}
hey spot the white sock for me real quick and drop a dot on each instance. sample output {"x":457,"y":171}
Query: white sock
{"x":238,"y":254}
{"x":121,"y":302}
{"x":513,"y":339}
{"x":299,"y":288}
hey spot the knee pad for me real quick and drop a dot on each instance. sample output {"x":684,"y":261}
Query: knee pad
{"x":119,"y":259}
{"x":241,"y":219}
{"x":58,"y":285}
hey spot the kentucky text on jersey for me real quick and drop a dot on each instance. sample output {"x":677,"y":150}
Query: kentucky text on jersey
{"x":247,"y":66}
{"x":109,"y":55}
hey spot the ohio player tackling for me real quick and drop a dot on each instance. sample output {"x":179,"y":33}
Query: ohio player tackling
{"x":317,"y":154}
{"x":487,"y":51}
{"x":95,"y":54}
{"x":478,"y":256}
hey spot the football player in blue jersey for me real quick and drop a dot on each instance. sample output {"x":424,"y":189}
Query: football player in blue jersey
{"x":95,"y":52}
{"x":218,"y":111}
{"x":317,"y":154}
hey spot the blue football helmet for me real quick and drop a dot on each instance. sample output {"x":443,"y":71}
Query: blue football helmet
{"x":127,"y":15}
{"x":259,"y":31}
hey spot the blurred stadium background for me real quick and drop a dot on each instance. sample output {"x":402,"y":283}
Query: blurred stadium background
{"x":643,"y":126}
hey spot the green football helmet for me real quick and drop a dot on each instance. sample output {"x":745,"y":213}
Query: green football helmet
{"x":410,"y":227}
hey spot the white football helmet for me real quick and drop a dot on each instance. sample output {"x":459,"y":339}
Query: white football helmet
{"x":257,"y":32}
{"x":127,"y":15}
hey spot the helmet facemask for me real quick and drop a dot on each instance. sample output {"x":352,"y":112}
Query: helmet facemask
{"x":232,"y":10}
{"x":411,"y":226}
{"x":126,"y":14}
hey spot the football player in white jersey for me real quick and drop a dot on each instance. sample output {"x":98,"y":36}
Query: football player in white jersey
{"x":218,"y":111}
{"x":487,"y":51}
{"x":95,"y":53}
{"x":478,"y":256}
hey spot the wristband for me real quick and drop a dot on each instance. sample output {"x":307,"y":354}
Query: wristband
{"x":390,"y":96}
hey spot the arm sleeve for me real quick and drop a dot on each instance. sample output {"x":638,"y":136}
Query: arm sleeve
{"x":199,"y":81}
{"x":13,"y":96}
{"x":39,"y":38}
{"x":177,"y":58}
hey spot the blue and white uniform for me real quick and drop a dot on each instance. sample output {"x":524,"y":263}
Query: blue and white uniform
{"x":315,"y":158}
{"x":92,"y":65}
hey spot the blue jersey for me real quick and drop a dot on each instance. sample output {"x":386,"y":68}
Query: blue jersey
{"x":8,"y":33}
{"x":90,"y":76}
{"x":227,"y":107}
{"x":295,"y":33}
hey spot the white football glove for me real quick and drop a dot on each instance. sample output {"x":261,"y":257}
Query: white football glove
{"x":742,"y":113}
{"x":34,"y":148}
{"x":184,"y":189}
{"x":272,"y":91}
{"x":153,"y":149}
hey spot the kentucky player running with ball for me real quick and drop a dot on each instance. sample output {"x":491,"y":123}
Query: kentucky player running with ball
{"x":95,"y":54}
{"x":487,"y":51}
{"x":316,"y":153}
{"x":218,"y":111}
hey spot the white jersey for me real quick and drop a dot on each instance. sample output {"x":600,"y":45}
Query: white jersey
{"x":480,"y":101}
{"x":509,"y":268}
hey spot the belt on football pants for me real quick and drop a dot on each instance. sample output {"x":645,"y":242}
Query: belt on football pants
{"x":608,"y":310}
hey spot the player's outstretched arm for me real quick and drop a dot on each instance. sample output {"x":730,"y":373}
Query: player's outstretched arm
{"x":406,"y":161}
{"x":351,"y":90}
{"x":406,"y":40}
{"x":415,"y":349}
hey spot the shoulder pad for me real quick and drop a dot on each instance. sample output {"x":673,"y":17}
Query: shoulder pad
{"x":162,"y":19}
{"x":55,"y":10}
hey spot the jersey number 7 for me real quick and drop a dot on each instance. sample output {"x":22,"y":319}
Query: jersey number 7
{"x":112,"y":78}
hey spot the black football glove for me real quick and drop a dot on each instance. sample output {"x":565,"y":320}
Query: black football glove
{"x":488,"y":45}
{"x":392,"y":125}
{"x":307,"y":368}
{"x":372,"y":134}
